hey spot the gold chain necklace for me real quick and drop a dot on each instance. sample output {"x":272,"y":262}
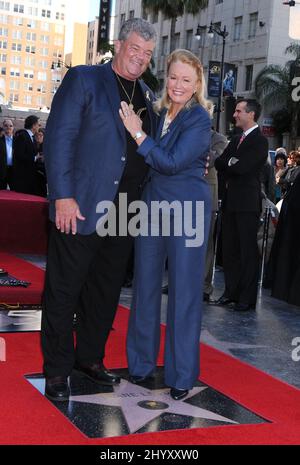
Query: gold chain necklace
{"x":130,"y":104}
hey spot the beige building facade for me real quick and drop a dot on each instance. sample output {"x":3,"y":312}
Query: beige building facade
{"x":92,"y":57}
{"x":32,"y":39}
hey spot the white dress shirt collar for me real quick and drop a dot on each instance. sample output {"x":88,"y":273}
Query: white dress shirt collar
{"x":250,"y":130}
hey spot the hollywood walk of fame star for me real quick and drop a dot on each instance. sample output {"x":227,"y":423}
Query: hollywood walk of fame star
{"x":141,"y":405}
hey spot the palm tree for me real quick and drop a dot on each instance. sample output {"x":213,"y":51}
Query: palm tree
{"x":273,"y":87}
{"x":172,"y":9}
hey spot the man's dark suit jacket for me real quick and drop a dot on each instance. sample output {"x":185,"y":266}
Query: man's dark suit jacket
{"x":25,"y":173}
{"x":3,"y":163}
{"x":243,"y":191}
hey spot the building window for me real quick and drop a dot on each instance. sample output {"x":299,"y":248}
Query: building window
{"x":57,"y":53}
{"x":56,"y":76}
{"x":28,"y":86}
{"x":46,"y":13}
{"x":15,"y":60}
{"x":31,"y":23}
{"x":17,"y":21}
{"x":17,"y":34}
{"x":28,"y":74}
{"x":44,"y":51}
{"x":29,"y":61}
{"x":43,"y":64}
{"x":144,"y":14}
{"x":16,"y":47}
{"x":252,"y":25}
{"x":164,"y":45}
{"x":41,"y":101}
{"x":42,"y":76}
{"x":131,"y":14}
{"x":175,"y":42}
{"x":41,"y":88}
{"x":249,"y":77}
{"x":3,"y":32}
{"x":218,"y":2}
{"x":237,"y":31}
{"x":203,"y":34}
{"x":3,"y":57}
{"x":45,"y":26}
{"x":4,"y":6}
{"x":3,"y":44}
{"x":122,"y":19}
{"x":18,"y":8}
{"x":31,"y":36}
{"x":32,"y":11}
{"x":3,"y":19}
{"x":15,"y":72}
{"x":3,"y":71}
{"x":27,"y":99}
{"x":44,"y":39}
{"x":14,"y":97}
{"x":14,"y":85}
{"x":217,"y":38}
{"x":30,"y":48}
{"x":154,"y":17}
{"x":189,"y":39}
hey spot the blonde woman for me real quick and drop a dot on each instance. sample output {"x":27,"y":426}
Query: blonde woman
{"x":177,"y":158}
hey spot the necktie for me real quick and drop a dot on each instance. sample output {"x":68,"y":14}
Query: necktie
{"x":241,"y":139}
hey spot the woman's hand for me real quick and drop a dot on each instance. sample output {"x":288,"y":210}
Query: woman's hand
{"x":131,"y":121}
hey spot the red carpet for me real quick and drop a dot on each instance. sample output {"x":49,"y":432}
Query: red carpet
{"x":29,"y":418}
{"x":24,"y":223}
{"x":24,"y":271}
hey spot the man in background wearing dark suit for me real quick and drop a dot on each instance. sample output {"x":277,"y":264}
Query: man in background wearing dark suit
{"x":242,"y":162}
{"x":217,"y":147}
{"x":26,"y":158}
{"x":7,"y":155}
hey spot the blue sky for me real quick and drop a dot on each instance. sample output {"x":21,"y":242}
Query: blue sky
{"x":94,"y":9}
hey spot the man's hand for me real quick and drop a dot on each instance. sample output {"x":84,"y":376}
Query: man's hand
{"x":67,"y":212}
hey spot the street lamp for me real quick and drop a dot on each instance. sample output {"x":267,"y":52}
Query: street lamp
{"x":215,"y":29}
{"x":198,"y":32}
{"x":60,"y":64}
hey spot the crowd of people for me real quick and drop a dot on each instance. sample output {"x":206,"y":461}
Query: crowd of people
{"x":21,"y":158}
{"x":162,"y":151}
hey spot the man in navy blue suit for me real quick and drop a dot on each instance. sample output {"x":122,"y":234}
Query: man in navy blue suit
{"x":90,"y":158}
{"x":7,"y":155}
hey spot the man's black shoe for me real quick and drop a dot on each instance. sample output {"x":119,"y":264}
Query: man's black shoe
{"x":242,"y":307}
{"x":127,"y":283}
{"x":223,"y":301}
{"x":206,"y":297}
{"x":57,"y":388}
{"x":139,"y":379}
{"x":97,"y":372}
{"x":178,"y":394}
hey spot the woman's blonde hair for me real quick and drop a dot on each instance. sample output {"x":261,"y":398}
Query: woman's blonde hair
{"x":187,"y":57}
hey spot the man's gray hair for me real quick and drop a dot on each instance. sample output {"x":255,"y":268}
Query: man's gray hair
{"x":139,"y":26}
